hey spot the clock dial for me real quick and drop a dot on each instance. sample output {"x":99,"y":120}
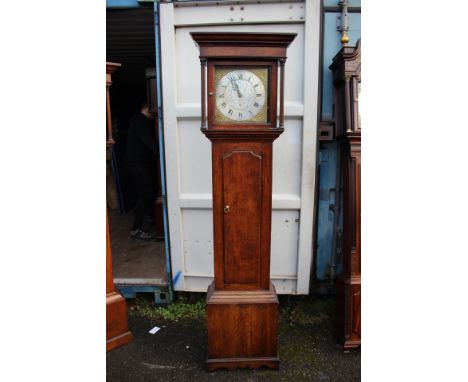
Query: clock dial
{"x":241,"y":95}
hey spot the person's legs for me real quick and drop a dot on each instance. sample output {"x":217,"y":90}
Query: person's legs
{"x":143,"y":204}
{"x":142,"y":180}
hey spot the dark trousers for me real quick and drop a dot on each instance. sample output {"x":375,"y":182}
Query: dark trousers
{"x":142,"y":176}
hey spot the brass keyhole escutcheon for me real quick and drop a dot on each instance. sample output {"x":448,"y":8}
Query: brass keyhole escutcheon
{"x":227,"y":209}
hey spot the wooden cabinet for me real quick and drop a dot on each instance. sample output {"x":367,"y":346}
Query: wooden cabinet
{"x":347,"y":82}
{"x":241,"y":71}
{"x":117,"y":332}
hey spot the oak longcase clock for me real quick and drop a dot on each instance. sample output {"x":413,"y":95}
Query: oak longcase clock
{"x":239,"y":88}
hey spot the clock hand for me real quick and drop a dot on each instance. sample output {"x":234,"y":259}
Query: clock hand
{"x":236,"y":88}
{"x":239,"y":94}
{"x":238,"y":91}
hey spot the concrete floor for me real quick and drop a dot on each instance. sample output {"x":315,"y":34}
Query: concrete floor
{"x":135,"y":261}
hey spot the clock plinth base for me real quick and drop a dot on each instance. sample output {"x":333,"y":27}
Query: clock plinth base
{"x":348,"y":325}
{"x":242,"y":328}
{"x":242,"y":363}
{"x":116,"y":321}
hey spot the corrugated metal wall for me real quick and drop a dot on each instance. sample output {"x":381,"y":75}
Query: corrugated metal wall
{"x":130,"y":37}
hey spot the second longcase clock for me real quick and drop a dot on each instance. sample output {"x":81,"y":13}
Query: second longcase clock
{"x":239,"y":74}
{"x":346,"y":68}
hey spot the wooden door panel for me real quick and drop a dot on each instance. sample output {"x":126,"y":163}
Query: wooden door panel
{"x":242,"y":190}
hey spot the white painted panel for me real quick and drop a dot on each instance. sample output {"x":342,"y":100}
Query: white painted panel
{"x":294,"y":67}
{"x":171,"y":142}
{"x":239,"y":13}
{"x":188,"y":152}
{"x":284,"y":286}
{"x":198,"y":241}
{"x":195,"y":158}
{"x":192,"y":110}
{"x":205,"y":201}
{"x":188,"y":68}
{"x":197,"y":283}
{"x":200,"y":283}
{"x":195,"y":175}
{"x":287,"y":156}
{"x":309,"y":144}
{"x":196,"y":201}
{"x":284,"y":242}
{"x":188,"y":63}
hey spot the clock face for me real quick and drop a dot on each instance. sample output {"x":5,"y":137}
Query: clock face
{"x":241,"y":95}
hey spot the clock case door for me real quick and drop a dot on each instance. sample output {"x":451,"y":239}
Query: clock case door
{"x":242,"y":214}
{"x":271,"y":65}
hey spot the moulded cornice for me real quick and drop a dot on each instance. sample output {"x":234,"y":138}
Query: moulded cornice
{"x":243,"y":39}
{"x":241,"y":133}
{"x":347,"y":61}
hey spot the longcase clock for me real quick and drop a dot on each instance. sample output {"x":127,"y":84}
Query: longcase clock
{"x":239,"y":73}
{"x":346,"y":68}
